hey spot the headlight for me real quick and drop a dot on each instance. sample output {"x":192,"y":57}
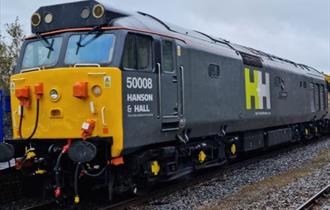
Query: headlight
{"x":54,"y":95}
{"x":85,"y":13}
{"x":98,"y":11}
{"x":48,"y":18}
{"x":36,"y":19}
{"x":97,"y":90}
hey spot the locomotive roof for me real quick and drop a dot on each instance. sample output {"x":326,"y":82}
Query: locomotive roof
{"x":72,"y":13}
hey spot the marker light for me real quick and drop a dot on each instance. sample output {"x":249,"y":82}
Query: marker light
{"x":36,"y":19}
{"x":23,"y":95}
{"x":54,"y":95}
{"x":98,"y":11}
{"x":80,"y":90}
{"x":48,"y":18}
{"x":39,"y":90}
{"x":97,"y":90}
{"x":85,"y":13}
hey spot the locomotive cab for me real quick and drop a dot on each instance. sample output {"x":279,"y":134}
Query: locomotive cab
{"x":79,"y":79}
{"x":83,"y":85}
{"x":67,"y":92}
{"x":67,"y":88}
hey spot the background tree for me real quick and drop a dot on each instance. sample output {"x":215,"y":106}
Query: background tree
{"x":9,"y":50}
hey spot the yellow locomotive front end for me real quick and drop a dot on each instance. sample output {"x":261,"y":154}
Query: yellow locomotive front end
{"x":68,"y":103}
{"x":66,"y":100}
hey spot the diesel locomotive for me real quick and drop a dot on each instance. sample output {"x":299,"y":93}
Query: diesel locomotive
{"x":118,"y":100}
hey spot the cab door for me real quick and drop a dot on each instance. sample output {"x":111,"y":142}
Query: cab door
{"x":168,"y":85}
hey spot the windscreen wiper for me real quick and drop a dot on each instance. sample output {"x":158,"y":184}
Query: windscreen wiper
{"x":81,"y":38}
{"x":47,"y":44}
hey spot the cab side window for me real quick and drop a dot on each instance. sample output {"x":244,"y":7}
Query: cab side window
{"x":129,"y":53}
{"x":168,"y":58}
{"x":143,"y":52}
{"x":138,"y":53}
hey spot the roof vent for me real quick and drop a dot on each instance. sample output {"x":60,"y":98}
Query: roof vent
{"x":251,"y":60}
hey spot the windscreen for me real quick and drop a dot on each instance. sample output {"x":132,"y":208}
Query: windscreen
{"x":90,"y":48}
{"x":42,"y":53}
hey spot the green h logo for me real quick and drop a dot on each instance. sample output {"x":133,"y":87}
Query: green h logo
{"x":257,"y":90}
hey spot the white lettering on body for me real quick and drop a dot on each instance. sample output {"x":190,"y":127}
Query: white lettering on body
{"x":139,"y":97}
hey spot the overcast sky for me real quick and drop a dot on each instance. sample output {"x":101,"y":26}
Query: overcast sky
{"x":298,"y":30}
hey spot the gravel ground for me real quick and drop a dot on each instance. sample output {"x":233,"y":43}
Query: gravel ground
{"x":296,"y":188}
{"x":325,"y":204}
{"x":281,"y":182}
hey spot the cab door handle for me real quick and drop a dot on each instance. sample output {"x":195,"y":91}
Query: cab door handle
{"x":175,"y":79}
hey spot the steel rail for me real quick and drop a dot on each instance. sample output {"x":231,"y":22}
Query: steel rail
{"x":204,"y":176}
{"x":43,"y":205}
{"x":313,"y":200}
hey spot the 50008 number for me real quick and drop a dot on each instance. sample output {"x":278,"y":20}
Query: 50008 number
{"x":138,"y":83}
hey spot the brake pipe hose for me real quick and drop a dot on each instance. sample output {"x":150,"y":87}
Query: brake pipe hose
{"x":20,"y":122}
{"x":35,"y":124}
{"x":36,"y":121}
{"x":57,"y":176}
{"x":57,"y":169}
{"x":94,"y":175}
{"x":76,"y":188}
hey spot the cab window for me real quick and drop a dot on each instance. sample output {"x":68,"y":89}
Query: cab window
{"x":39,"y":54}
{"x":168,"y":56}
{"x":138,"y":53}
{"x":129,"y":54}
{"x":80,"y":47}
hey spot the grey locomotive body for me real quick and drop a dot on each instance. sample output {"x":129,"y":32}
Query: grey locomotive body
{"x":203,"y":86}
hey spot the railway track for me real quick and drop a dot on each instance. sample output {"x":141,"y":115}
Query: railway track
{"x":195,"y":179}
{"x":201,"y":177}
{"x":314,"y":201}
{"x":171,"y":187}
{"x":42,"y":206}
